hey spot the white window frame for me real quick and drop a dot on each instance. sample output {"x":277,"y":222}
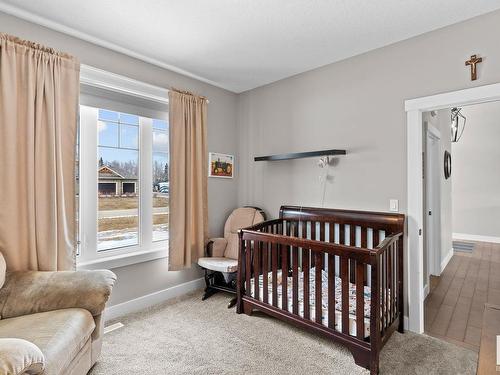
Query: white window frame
{"x":89,"y":257}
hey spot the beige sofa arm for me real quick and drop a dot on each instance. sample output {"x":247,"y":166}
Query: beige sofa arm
{"x":20,"y":357}
{"x":216,"y":247}
{"x":33,"y":292}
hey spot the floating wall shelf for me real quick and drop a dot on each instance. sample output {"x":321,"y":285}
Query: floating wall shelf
{"x":300,"y":155}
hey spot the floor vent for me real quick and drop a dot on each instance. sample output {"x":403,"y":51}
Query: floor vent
{"x":465,"y":247}
{"x":112,"y":327}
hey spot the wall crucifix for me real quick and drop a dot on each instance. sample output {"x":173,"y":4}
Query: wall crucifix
{"x":473,"y":69}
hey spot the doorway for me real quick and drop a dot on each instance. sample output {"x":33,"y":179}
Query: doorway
{"x":416,"y":203}
{"x":469,"y":243}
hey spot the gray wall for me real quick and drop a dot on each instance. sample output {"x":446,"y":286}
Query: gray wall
{"x":357,"y":104}
{"x":475,"y":173}
{"x":140,"y":279}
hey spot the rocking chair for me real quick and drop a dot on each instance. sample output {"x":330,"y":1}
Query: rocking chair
{"x":221,"y":255}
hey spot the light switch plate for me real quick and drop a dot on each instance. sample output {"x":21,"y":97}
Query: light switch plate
{"x":393,"y":205}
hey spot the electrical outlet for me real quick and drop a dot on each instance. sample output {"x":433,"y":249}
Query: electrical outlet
{"x":393,"y":205}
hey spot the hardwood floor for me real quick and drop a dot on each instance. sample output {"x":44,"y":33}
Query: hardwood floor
{"x":453,"y":310}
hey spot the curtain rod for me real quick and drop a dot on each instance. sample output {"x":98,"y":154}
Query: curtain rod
{"x":188,"y":93}
{"x":96,"y":77}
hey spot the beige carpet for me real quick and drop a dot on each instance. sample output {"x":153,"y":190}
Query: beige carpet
{"x":188,"y":336}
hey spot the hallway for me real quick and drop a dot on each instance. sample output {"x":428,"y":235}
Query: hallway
{"x":454,"y":307}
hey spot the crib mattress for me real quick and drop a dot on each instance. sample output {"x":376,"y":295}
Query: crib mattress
{"x":312,"y":301}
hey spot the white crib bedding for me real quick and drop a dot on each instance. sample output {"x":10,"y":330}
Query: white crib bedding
{"x":338,"y":299}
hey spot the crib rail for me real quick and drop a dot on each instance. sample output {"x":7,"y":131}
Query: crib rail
{"x":363,"y":253}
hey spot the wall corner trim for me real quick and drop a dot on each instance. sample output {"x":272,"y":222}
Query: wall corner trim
{"x":446,"y":260}
{"x":140,"y":303}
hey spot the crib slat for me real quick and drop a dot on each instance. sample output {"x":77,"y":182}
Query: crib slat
{"x":364,"y":237}
{"x":375,"y":336}
{"x":391,"y":289}
{"x":382,"y":294}
{"x":313,"y":237}
{"x":360,"y":282}
{"x":344,"y":270}
{"x":384,"y":291}
{"x":305,"y":270}
{"x":256,"y":268}
{"x":289,"y":234}
{"x":395,"y":277}
{"x":376,"y":239}
{"x":274,"y":266}
{"x":284,"y":277}
{"x":265,"y":272}
{"x":393,"y":285}
{"x":248,"y":267}
{"x":331,"y":280}
{"x":318,"y":302}
{"x":387,"y":285}
{"x":352,"y":263}
{"x":331,"y":291}
{"x":295,"y":275}
{"x":342,"y":234}
{"x":364,"y":244}
{"x":322,"y":228}
{"x":387,"y":289}
{"x":279,"y":230}
{"x":395,"y":280}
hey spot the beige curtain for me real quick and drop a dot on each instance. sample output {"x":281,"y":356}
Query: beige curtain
{"x":188,"y":179}
{"x":39,"y":91}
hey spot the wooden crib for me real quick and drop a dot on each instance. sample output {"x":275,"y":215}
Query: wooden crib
{"x":338,"y":273}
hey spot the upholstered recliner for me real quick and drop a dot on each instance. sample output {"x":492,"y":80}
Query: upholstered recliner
{"x":221,"y":257}
{"x":51,"y":322}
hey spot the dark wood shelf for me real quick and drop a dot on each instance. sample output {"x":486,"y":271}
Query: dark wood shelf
{"x":300,"y":155}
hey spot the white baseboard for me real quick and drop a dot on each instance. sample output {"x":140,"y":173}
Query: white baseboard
{"x":405,"y":323}
{"x":137,"y":304}
{"x":475,"y":237}
{"x":446,"y":259}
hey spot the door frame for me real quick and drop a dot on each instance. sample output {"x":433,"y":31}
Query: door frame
{"x":432,"y":194}
{"x":414,"y":109}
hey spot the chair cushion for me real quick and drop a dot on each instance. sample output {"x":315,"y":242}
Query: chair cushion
{"x":20,"y":357}
{"x":218,"y":246}
{"x":60,"y":334}
{"x":219,"y":264}
{"x":242,"y":217}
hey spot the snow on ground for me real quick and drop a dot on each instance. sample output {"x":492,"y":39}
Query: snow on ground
{"x":111,"y":239}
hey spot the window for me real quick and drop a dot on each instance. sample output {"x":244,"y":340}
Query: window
{"x":118,"y":155}
{"x":123,"y":183}
{"x":129,"y":188}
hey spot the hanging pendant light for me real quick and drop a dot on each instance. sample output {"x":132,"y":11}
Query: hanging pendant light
{"x":458,"y":121}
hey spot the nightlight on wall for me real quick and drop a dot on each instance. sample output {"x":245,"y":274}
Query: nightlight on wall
{"x":458,"y":121}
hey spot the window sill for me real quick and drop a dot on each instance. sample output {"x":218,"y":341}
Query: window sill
{"x":122,"y":260}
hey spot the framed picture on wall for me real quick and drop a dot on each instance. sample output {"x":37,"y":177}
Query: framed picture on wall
{"x":220,"y":165}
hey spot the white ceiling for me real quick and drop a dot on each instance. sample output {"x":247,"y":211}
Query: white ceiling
{"x":242,"y":44}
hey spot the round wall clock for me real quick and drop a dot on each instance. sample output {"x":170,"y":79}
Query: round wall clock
{"x":447,"y":165}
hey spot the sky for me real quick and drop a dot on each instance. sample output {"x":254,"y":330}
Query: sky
{"x":119,"y":138}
